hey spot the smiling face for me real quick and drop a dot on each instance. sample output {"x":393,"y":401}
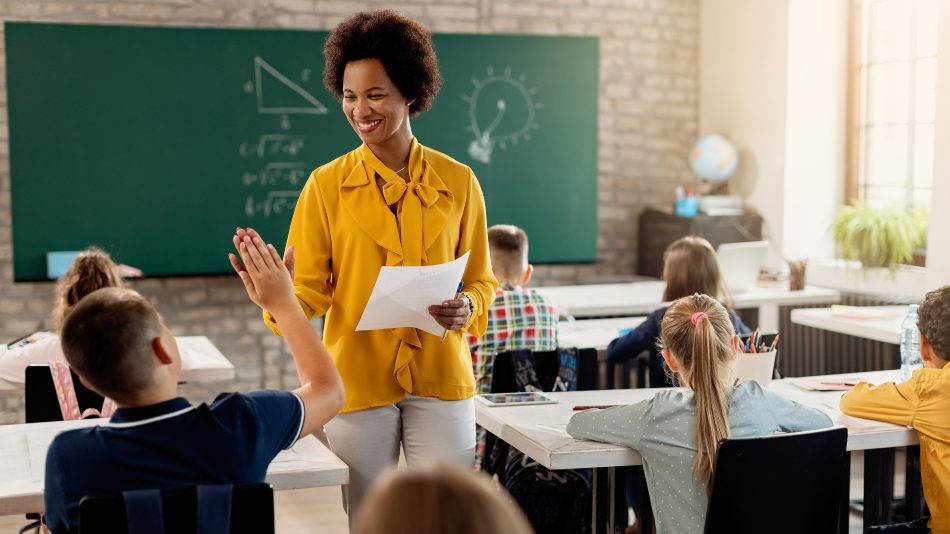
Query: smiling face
{"x":372,"y":103}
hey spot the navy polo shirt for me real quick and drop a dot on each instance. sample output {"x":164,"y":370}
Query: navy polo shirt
{"x":168,"y":445}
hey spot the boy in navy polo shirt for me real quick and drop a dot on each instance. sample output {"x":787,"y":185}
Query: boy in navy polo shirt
{"x":120,"y":347}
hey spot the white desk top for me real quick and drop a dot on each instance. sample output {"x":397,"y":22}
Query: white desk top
{"x":201,"y":361}
{"x":539,"y":430}
{"x":593,"y":333}
{"x":640,"y":298}
{"x":23,"y":448}
{"x":886,"y":328}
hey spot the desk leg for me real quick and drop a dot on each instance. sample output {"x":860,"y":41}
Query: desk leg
{"x":618,"y":502}
{"x":646,"y":510}
{"x":845,"y":511}
{"x":913,"y":490}
{"x":878,"y":486}
{"x":600,"y":501}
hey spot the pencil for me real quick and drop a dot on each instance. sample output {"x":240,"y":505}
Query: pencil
{"x":774,"y":343}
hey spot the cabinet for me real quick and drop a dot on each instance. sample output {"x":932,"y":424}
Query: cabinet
{"x":659,"y":229}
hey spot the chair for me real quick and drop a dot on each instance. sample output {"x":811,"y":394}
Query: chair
{"x":251,"y":512}
{"x":40,"y":395}
{"x":788,"y":483}
{"x":546,"y":365}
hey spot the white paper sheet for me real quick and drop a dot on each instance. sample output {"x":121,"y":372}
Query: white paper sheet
{"x":402,"y":296}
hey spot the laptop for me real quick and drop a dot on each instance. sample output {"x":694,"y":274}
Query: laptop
{"x":740,"y":263}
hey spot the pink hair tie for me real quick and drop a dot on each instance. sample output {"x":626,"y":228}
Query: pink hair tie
{"x":696,"y":316}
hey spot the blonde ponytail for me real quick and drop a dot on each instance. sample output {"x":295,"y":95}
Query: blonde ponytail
{"x":697,"y":331}
{"x":93,"y":269}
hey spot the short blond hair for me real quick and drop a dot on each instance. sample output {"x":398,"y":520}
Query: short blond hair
{"x":508,"y":246}
{"x":439,"y":498}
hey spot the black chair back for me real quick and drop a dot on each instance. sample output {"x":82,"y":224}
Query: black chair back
{"x":41,"y":402}
{"x":252,"y":511}
{"x":546,"y":366}
{"x":787,"y":483}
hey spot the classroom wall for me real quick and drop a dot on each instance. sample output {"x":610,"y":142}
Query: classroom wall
{"x":742,"y":95}
{"x":938,"y":246}
{"x":816,"y":102}
{"x":773,"y":79}
{"x":648,"y":121}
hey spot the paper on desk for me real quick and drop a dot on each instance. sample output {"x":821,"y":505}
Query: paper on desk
{"x":402,"y":296}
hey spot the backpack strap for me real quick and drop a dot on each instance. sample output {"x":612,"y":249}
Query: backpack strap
{"x":66,"y":395}
{"x":214,"y":509}
{"x":65,"y":392}
{"x":143,"y":510}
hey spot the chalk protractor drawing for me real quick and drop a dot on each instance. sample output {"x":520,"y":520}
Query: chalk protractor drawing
{"x":502,"y":112}
{"x":278,"y":94}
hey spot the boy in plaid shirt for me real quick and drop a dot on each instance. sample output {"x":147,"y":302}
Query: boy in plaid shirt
{"x":519,"y":318}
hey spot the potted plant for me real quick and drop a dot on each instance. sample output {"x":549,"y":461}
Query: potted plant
{"x":879,"y":237}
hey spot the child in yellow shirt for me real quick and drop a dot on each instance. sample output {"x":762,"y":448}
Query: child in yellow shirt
{"x":923,"y":402}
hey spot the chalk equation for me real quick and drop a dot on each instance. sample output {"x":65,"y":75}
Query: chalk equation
{"x":275,"y":203}
{"x":272,"y":145}
{"x":291,"y":173}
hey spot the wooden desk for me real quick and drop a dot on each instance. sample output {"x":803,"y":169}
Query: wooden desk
{"x":539,"y":430}
{"x":640,"y":298}
{"x":886,"y":329}
{"x":201,"y":361}
{"x":23,"y":448}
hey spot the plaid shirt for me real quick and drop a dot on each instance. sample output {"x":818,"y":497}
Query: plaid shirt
{"x":519,"y":318}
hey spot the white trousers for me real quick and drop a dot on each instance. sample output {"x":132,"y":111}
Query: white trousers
{"x":428,"y":429}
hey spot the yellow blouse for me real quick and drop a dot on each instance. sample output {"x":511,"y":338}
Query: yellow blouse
{"x":343,"y":231}
{"x":923,"y":402}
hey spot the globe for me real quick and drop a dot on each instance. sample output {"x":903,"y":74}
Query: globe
{"x":713,"y":158}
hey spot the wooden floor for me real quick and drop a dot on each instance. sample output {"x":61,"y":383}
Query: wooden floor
{"x":320,"y":510}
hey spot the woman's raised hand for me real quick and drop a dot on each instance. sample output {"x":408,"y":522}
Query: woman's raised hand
{"x":267,"y":278}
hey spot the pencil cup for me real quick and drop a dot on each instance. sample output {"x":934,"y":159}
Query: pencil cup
{"x":758,"y":367}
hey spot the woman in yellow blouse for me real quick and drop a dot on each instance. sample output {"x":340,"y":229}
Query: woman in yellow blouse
{"x":392,"y":201}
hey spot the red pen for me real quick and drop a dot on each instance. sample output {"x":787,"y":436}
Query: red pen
{"x":603,"y":407}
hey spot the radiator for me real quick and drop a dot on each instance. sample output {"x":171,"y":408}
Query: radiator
{"x":807,"y":351}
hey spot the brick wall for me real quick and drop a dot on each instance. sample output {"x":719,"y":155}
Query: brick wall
{"x":648,"y":118}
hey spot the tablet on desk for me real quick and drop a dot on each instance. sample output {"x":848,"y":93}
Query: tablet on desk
{"x":516,"y":399}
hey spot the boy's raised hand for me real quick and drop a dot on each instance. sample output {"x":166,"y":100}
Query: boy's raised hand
{"x":288,"y":253}
{"x":266,"y":277}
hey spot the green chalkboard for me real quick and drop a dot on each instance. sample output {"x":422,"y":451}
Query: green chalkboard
{"x":154,"y":143}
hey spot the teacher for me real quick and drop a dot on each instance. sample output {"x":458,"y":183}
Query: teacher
{"x":392,"y":201}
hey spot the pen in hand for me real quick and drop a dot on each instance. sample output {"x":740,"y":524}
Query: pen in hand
{"x":457,"y":291}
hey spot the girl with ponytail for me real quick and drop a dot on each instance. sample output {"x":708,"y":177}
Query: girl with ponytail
{"x":678,"y":431}
{"x":690,"y":266}
{"x":92,"y":269}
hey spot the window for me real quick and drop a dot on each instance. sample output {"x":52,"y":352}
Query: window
{"x":893,"y":101}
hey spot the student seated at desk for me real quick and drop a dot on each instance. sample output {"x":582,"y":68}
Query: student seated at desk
{"x":438,"y":499}
{"x":93,"y":269}
{"x":677,"y":431}
{"x":923,"y":402}
{"x":120,"y":347}
{"x":689,"y":266}
{"x":519,"y":318}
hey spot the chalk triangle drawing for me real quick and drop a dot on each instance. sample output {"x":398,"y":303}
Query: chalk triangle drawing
{"x":285,"y":96}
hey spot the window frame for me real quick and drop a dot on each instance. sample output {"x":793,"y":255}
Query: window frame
{"x":859,"y":94}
